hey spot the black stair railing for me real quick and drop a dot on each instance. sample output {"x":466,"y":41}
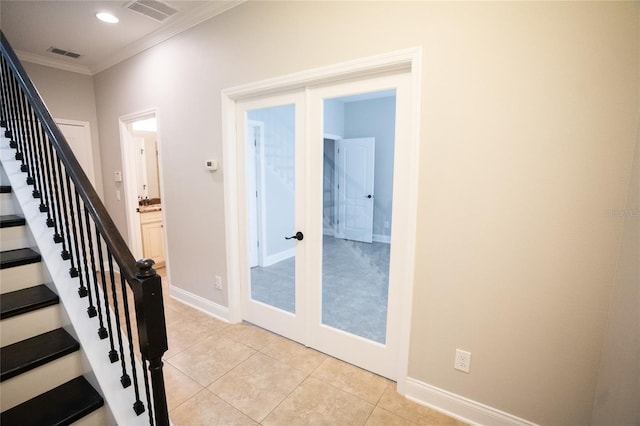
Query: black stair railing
{"x":89,"y":241}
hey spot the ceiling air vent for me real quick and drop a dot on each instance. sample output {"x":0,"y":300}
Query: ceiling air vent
{"x":62,"y":52}
{"x":154,"y":9}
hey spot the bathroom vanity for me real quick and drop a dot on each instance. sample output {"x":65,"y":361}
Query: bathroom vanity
{"x":152,"y":230}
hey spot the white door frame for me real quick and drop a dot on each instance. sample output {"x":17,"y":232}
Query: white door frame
{"x":408,"y":60}
{"x":256,"y":214}
{"x":130,"y":186}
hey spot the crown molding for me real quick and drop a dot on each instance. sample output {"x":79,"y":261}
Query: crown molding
{"x":173,"y":28}
{"x":52,"y":63}
{"x":209,"y":10}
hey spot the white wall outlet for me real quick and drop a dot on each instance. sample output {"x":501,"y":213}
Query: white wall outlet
{"x":462,"y":361}
{"x":218,"y":282}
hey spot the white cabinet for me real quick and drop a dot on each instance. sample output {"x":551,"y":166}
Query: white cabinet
{"x":153,"y":237}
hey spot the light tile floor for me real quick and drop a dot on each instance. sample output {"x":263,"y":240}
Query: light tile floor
{"x":238,"y":374}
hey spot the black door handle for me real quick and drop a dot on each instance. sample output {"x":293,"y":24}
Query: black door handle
{"x":299,"y":236}
{"x":369,"y":196}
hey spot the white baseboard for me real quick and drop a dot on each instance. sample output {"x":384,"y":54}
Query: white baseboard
{"x":459,"y":407}
{"x":379,"y":238}
{"x":278,"y":257}
{"x":200,"y":303}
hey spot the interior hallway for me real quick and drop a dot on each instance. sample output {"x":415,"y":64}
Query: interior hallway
{"x":222,"y":374}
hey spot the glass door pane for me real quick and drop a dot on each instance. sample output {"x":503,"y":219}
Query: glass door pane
{"x":356,"y":209}
{"x":270,"y":138}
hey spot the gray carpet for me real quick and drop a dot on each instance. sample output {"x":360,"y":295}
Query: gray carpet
{"x":355,"y":286}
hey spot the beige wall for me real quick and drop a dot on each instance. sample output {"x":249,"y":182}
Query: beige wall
{"x":70,"y":96}
{"x":527,"y":128}
{"x":618,"y":387}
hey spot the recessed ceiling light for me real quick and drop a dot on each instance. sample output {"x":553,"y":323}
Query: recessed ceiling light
{"x":107,"y":17}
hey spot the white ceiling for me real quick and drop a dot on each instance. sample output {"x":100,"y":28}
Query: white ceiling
{"x":34,"y":26}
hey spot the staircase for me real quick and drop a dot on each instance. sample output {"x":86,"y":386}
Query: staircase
{"x":41,"y":363}
{"x":103,"y":328}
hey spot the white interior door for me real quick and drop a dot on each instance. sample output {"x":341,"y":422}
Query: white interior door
{"x":78,"y":134}
{"x":355,"y":175}
{"x":355,"y":313}
{"x":272,"y":209}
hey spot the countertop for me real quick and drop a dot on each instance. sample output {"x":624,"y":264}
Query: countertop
{"x":150,"y":208}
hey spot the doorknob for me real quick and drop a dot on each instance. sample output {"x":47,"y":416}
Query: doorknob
{"x":369,"y":196}
{"x":299,"y":236}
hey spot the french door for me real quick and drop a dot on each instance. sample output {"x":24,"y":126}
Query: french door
{"x":271,"y":173}
{"x":309,"y":272}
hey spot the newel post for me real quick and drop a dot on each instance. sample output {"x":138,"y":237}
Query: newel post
{"x":152,"y":333}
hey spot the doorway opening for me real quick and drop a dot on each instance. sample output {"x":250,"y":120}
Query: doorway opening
{"x":142,"y":186}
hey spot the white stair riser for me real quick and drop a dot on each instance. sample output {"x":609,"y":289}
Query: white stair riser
{"x":7,"y":204}
{"x":97,"y":417}
{"x":39,"y":380}
{"x":31,"y":324}
{"x":19,"y":277}
{"x":13,"y":238}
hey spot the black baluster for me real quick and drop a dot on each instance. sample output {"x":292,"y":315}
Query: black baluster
{"x":73,"y":271}
{"x":82,"y":291}
{"x":125,"y":380}
{"x":4,"y":121}
{"x":3,"y":98}
{"x":35,"y":135}
{"x":113,"y":354}
{"x":105,"y":295}
{"x":58,"y":235}
{"x":50,"y":178}
{"x":66,"y":245}
{"x":145,"y":369}
{"x":91,"y":310}
{"x":28,"y":141}
{"x":138,"y":406}
{"x":21,"y":153}
{"x":13,"y":131}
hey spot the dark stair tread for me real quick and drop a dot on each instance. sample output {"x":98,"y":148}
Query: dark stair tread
{"x":10,"y":220}
{"x":26,"y":300}
{"x":18,"y":257}
{"x":63,"y":405}
{"x":28,"y":354}
{"x":5,"y":189}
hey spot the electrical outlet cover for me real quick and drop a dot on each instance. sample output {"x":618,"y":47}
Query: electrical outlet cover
{"x":462,"y":361}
